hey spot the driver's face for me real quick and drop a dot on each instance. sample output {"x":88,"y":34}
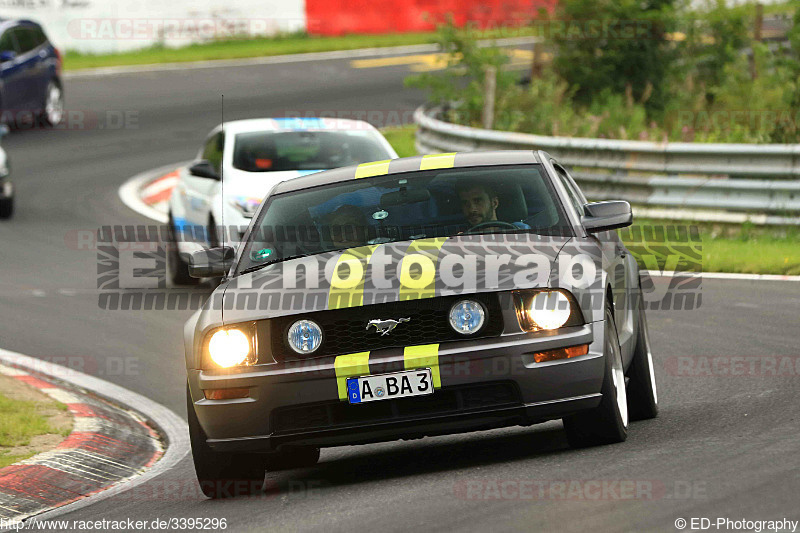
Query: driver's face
{"x":477,"y":206}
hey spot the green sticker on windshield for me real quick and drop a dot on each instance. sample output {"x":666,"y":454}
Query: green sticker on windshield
{"x":261,"y":254}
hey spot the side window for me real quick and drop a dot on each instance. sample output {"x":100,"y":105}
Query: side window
{"x":26,"y":39}
{"x":213,"y":151}
{"x":38,"y":36}
{"x":574,"y":196}
{"x":7,"y":42}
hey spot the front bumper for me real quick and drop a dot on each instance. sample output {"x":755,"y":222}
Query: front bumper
{"x":486,"y":383}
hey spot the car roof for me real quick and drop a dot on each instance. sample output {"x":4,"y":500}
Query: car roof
{"x":294,"y":124}
{"x":410,"y":164}
{"x":5,"y":22}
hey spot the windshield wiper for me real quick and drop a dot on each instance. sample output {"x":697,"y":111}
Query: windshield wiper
{"x":262,"y":265}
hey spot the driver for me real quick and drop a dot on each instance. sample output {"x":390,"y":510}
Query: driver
{"x":347,"y":224}
{"x":479,"y":204}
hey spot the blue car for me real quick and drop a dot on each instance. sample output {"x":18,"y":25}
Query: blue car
{"x":30,"y":75}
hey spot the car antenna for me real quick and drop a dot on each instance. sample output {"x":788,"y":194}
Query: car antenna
{"x":222,"y":194}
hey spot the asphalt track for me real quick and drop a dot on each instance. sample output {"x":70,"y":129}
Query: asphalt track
{"x":723,"y":445}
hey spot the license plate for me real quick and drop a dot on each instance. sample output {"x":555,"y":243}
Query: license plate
{"x":389,"y":386}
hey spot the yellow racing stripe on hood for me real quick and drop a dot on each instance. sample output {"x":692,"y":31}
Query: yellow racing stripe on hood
{"x":376,"y":168}
{"x":418,"y":269}
{"x":347,"y":284}
{"x":433,"y":161}
{"x":424,"y":356}
{"x":349,"y":366}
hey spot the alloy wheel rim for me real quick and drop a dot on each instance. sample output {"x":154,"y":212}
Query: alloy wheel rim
{"x":54,"y":108}
{"x":618,"y":377}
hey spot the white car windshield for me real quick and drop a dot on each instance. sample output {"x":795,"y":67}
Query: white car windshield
{"x":274,"y":151}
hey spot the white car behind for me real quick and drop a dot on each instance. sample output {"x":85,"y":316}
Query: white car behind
{"x":239,"y":164}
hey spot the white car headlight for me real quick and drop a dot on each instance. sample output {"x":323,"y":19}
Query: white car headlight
{"x":467,"y":317}
{"x":305,"y":336}
{"x":546,"y":310}
{"x":230,"y":347}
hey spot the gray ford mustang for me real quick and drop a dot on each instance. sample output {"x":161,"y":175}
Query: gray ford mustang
{"x":414,"y":297}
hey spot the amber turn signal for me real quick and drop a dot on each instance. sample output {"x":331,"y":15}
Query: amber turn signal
{"x":226,"y":394}
{"x":561,"y":353}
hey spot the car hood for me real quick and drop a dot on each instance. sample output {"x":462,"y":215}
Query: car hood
{"x":253,"y":186}
{"x":392,"y":272}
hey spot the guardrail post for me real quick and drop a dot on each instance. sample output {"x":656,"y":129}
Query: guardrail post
{"x":489,"y":89}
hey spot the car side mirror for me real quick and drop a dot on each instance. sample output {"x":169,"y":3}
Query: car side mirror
{"x":203,"y":169}
{"x":211,"y":263}
{"x":604,"y":216}
{"x":7,"y":55}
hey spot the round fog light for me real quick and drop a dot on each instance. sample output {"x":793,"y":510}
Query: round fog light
{"x":305,"y":336}
{"x":467,"y":317}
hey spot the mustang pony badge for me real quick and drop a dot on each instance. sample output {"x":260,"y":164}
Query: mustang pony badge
{"x":384,"y":327}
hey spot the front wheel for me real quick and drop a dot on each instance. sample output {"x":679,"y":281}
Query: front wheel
{"x":53,"y":109}
{"x":608,"y":422}
{"x":223,"y":474}
{"x":642,"y":392}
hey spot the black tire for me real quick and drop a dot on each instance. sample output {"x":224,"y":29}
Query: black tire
{"x":292,"y":457}
{"x":642,"y":389}
{"x":223,"y":474}
{"x":6,"y":207}
{"x":177,"y":268}
{"x":608,"y":422}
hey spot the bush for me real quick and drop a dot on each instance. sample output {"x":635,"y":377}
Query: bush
{"x":617,"y":43}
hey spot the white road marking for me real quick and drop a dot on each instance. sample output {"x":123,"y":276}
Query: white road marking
{"x":723,"y":275}
{"x":130,"y":192}
{"x":171,"y":425}
{"x":282,"y":59}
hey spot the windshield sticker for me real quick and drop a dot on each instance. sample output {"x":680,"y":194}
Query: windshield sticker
{"x":261,"y":255}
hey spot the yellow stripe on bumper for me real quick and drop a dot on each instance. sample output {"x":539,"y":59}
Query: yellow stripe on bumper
{"x":425,"y":356}
{"x":424,"y":254}
{"x":433,"y":161}
{"x":376,"y":168}
{"x":349,"y":291}
{"x":350,"y":366}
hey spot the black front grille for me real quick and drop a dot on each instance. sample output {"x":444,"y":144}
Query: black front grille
{"x":345,"y":330}
{"x":452,"y":400}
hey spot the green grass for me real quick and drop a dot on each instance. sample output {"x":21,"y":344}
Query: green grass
{"x":402,"y":139}
{"x":245,"y":48}
{"x":20,"y":421}
{"x":744,"y":249}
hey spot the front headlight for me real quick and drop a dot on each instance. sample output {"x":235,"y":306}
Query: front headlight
{"x":546,"y":309}
{"x":232,"y":347}
{"x":246,"y":206}
{"x":305,"y":336}
{"x":467,"y":317}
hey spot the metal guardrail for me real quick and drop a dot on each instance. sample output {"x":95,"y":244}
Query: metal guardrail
{"x":699,"y":181}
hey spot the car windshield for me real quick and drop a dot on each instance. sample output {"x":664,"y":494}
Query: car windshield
{"x":418,"y":205}
{"x":273,"y":151}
